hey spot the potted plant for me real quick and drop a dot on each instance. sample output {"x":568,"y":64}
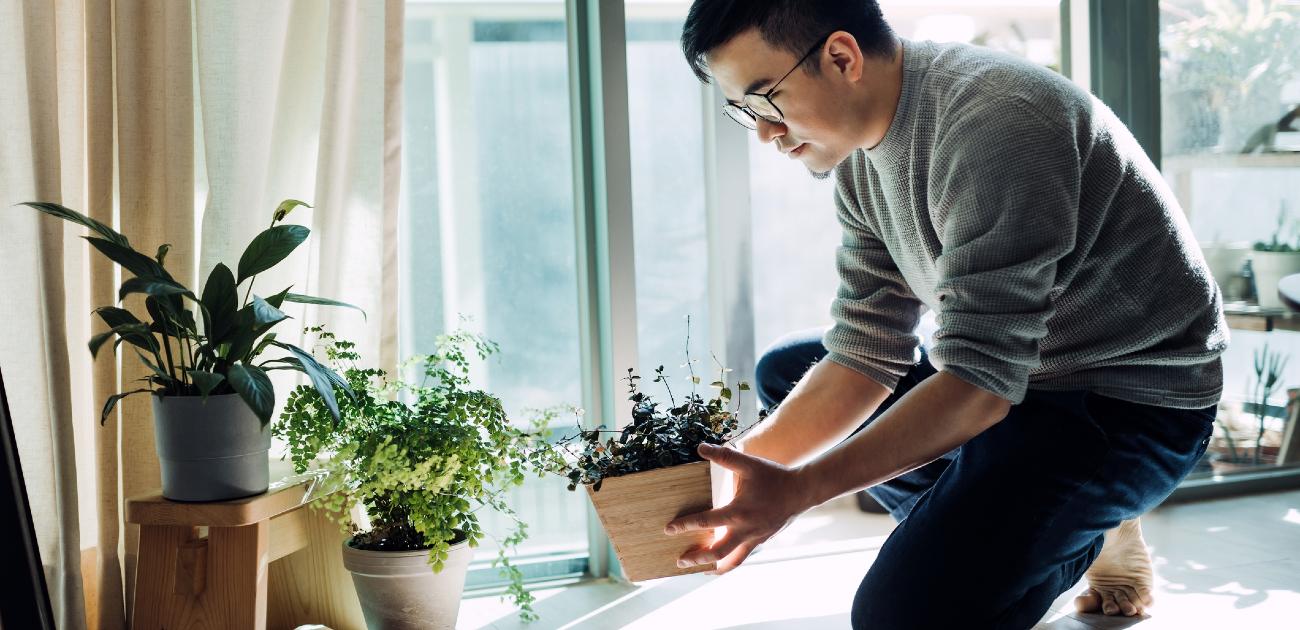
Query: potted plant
{"x":420,"y":459}
{"x":1269,"y":368}
{"x":650,"y":472}
{"x":212,"y":399}
{"x":1273,"y":260}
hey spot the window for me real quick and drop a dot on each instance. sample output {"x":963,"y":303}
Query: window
{"x":669,"y":223}
{"x":489,"y":228}
{"x":1230,"y":138}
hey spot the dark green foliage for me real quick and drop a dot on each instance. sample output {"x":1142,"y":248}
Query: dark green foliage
{"x":657,"y":437}
{"x":220,"y":359}
{"x":421,"y":458}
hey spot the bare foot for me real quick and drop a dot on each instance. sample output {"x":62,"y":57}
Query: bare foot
{"x":1120,"y":579}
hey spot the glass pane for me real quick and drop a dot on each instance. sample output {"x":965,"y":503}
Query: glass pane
{"x":1230,"y":97}
{"x":488,"y":221}
{"x":664,"y":102}
{"x":795,"y":229}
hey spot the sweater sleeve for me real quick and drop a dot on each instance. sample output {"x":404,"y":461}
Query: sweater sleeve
{"x":1004,"y":194}
{"x":875,"y":312}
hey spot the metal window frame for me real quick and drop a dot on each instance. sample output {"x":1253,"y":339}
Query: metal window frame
{"x":1124,"y":63}
{"x":597,"y":32}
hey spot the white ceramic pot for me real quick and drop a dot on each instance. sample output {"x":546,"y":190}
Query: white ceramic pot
{"x":1269,"y":268}
{"x":399,"y":590}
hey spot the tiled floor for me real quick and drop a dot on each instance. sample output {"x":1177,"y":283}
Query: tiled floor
{"x":1232,"y":563}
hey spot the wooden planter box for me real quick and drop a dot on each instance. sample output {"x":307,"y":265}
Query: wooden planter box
{"x":635,"y":508}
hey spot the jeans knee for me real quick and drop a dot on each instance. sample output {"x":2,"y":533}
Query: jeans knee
{"x":770,"y":383}
{"x":875,"y":609}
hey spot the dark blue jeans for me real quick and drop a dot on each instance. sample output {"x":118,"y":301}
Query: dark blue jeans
{"x":991,"y":533}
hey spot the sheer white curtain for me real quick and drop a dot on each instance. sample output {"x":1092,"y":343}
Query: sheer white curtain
{"x":298,"y":100}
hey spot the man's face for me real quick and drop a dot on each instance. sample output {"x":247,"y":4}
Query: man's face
{"x":816,"y":129}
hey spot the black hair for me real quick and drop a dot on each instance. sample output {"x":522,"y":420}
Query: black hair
{"x":794,"y":25}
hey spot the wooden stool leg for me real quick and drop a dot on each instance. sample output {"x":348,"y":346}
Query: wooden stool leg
{"x":156,"y":605}
{"x":235,"y":596}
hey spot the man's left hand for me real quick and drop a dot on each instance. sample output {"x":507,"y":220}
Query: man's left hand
{"x":768,"y":497}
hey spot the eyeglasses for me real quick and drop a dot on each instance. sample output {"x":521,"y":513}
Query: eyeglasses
{"x":754,"y":105}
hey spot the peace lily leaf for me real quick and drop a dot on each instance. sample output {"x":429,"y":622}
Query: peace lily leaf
{"x":261,"y":345}
{"x":125,"y":324}
{"x":56,"y":210}
{"x":205,"y":381}
{"x":163,"y":377}
{"x":269,"y":248}
{"x":162,"y":252}
{"x":252,"y":385}
{"x":254,"y":320}
{"x":112,"y":402}
{"x":277,"y":300}
{"x":308,"y":299}
{"x":262,"y":313}
{"x":221,"y":299}
{"x":320,"y":377}
{"x":135,"y":262}
{"x":158,"y":287}
{"x":136,"y":334}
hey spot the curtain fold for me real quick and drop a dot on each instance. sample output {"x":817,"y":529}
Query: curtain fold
{"x":41,"y":100}
{"x":130,"y":111}
{"x":322,"y":125}
{"x":354,"y":253}
{"x":155,"y":194}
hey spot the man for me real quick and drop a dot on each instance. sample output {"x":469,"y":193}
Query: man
{"x":1072,"y":380}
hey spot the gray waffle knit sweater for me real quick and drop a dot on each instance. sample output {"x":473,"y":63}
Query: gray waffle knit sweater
{"x":1023,"y":212}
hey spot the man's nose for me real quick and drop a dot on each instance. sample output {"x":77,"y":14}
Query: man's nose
{"x":769,"y":131}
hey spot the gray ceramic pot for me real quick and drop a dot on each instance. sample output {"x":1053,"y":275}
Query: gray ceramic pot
{"x":210,"y":451}
{"x":399,"y":591}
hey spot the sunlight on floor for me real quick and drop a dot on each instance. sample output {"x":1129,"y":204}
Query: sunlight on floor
{"x":1228,"y":563}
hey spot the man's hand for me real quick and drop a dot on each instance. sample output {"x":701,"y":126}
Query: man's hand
{"x":768,"y":497}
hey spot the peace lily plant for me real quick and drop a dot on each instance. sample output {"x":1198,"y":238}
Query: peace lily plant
{"x":213,"y":399}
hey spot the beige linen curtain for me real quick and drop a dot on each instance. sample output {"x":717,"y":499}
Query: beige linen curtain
{"x":99,"y":111}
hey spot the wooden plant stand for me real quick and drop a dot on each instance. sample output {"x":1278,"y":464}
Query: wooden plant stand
{"x":222,"y":580}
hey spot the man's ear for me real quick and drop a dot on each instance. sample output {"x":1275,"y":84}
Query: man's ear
{"x":844,"y":55}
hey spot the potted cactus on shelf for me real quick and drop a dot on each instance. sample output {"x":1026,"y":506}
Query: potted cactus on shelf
{"x":650,"y":472}
{"x":419,"y":458}
{"x":206,"y":356}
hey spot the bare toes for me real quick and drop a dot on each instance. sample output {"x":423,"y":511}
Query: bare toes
{"x":1108,"y":604}
{"x":1125,"y":604}
{"x":1088,"y":602}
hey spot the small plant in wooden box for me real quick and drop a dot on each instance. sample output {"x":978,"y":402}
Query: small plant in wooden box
{"x":650,"y":472}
